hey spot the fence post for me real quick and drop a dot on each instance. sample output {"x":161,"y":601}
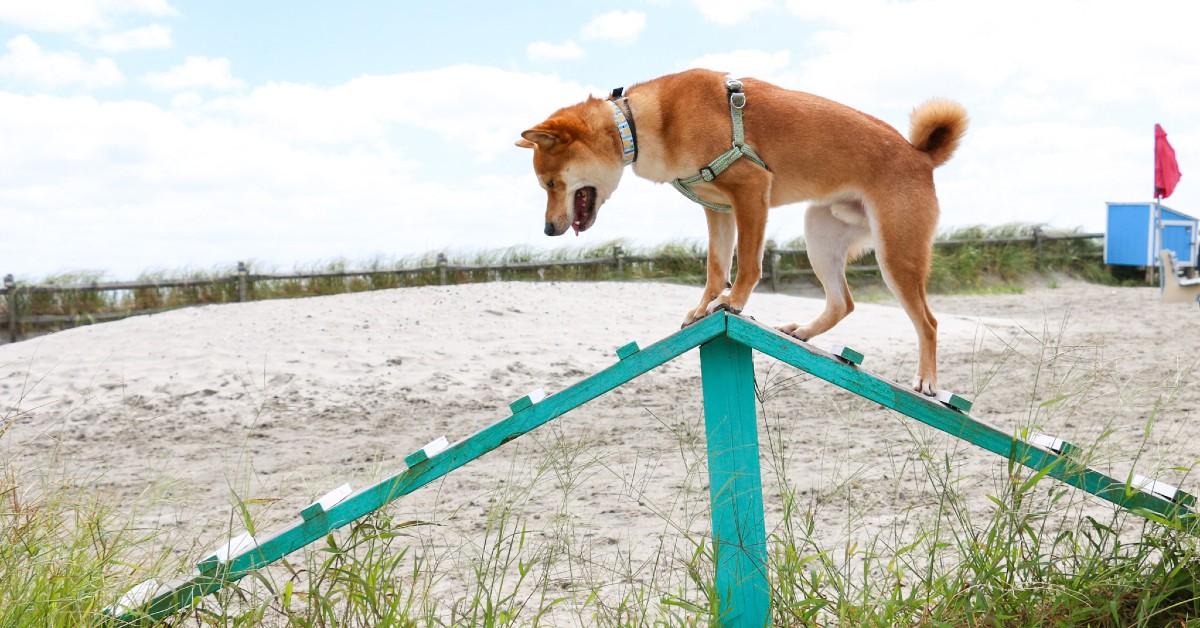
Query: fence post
{"x":773,"y":268}
{"x":1037,"y":246}
{"x":10,"y":288}
{"x":441,"y":266}
{"x":619,"y":256}
{"x":735,"y":484}
{"x":242,"y":271}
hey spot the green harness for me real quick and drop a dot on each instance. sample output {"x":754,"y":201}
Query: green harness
{"x":737,"y":101}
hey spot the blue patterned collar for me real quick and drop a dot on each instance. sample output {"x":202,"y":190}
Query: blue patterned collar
{"x":623,"y":118}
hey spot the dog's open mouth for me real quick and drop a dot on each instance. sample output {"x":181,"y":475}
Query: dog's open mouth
{"x":585,"y":209}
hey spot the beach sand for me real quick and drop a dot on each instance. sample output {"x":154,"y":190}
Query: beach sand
{"x":174,"y":416}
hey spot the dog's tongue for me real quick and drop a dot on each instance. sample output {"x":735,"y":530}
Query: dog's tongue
{"x":575,"y":226}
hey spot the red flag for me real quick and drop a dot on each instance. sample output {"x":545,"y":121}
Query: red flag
{"x":1166,"y":169}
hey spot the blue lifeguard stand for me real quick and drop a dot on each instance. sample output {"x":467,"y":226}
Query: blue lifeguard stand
{"x":1138,"y":231}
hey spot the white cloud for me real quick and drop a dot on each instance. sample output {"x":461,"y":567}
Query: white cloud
{"x":1061,"y":121}
{"x":757,"y":63}
{"x":195,"y":73}
{"x":898,"y":49}
{"x":365,"y":108}
{"x":76,"y":15}
{"x":25,"y":61}
{"x":284,"y":172}
{"x":727,"y":13}
{"x":547,"y":51}
{"x":1061,"y":113}
{"x":620,"y":27}
{"x":144,"y":38}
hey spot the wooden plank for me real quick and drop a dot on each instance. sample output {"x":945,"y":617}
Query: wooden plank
{"x":649,"y":259}
{"x":376,"y":496}
{"x":431,"y":449}
{"x":229,"y":549}
{"x":1073,"y":236}
{"x":627,"y":350}
{"x":528,"y":401}
{"x":340,"y":274}
{"x":213,"y":282}
{"x":126,"y":285}
{"x":735,"y":484}
{"x":135,"y":597}
{"x":932,"y":413}
{"x":98,"y":317}
{"x":326,"y":501}
{"x":854,"y":268}
{"x":1052,"y":443}
{"x":998,"y":241}
{"x":1162,"y":489}
{"x":847,"y":354}
{"x":962,"y":404}
{"x":514,"y":266}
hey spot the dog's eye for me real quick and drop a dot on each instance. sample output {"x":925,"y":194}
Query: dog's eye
{"x":550,"y":184}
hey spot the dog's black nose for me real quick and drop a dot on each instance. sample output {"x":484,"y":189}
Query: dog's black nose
{"x":549,"y":228}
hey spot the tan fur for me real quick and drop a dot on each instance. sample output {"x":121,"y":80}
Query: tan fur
{"x":868,"y":186}
{"x":937,"y":126}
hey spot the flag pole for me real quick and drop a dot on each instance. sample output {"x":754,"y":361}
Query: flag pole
{"x":1156,"y":233}
{"x":1153,"y":217}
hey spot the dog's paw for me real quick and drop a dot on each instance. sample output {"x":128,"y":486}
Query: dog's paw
{"x":795,"y":330}
{"x":693,"y":316}
{"x":925,"y":385}
{"x":722,"y":303}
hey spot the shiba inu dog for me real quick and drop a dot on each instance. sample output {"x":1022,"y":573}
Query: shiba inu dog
{"x":867,"y":186}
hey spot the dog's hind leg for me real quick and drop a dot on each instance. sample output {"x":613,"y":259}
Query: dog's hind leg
{"x":832,"y":239}
{"x":721,"y":235}
{"x":904,"y":230}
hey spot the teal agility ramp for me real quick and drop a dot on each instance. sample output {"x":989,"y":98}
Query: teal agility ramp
{"x":739,"y":540}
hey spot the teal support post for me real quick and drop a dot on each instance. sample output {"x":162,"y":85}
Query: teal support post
{"x":735,"y":484}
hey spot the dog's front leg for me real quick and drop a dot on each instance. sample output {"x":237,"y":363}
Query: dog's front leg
{"x":721,"y":232}
{"x":750,"y":215}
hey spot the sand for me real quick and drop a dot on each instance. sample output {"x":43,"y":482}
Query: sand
{"x":282,"y":400}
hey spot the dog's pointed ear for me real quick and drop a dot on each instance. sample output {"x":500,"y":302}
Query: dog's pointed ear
{"x":554,"y":133}
{"x":524,"y":143}
{"x":542,"y":137}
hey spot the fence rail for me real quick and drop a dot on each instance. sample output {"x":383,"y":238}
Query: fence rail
{"x":242,"y":279}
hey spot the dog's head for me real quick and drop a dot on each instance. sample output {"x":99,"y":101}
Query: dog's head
{"x":577,"y":164}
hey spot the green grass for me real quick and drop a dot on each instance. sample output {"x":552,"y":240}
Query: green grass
{"x":63,"y":561}
{"x":59,"y":549}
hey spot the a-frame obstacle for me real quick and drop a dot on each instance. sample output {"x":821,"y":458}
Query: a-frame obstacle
{"x":739,"y":537}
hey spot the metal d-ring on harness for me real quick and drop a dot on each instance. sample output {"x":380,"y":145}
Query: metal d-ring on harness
{"x":737,"y":100}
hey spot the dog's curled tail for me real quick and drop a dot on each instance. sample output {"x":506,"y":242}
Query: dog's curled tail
{"x":937,"y":126}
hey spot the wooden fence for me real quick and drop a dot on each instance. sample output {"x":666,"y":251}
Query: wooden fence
{"x":442,"y":272}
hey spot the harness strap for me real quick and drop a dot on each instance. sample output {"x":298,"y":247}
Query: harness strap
{"x":737,"y":101}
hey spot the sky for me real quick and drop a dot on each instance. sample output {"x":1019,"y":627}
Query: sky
{"x":165,"y":135}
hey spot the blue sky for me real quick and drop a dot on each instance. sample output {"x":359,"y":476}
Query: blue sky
{"x":159,"y":134}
